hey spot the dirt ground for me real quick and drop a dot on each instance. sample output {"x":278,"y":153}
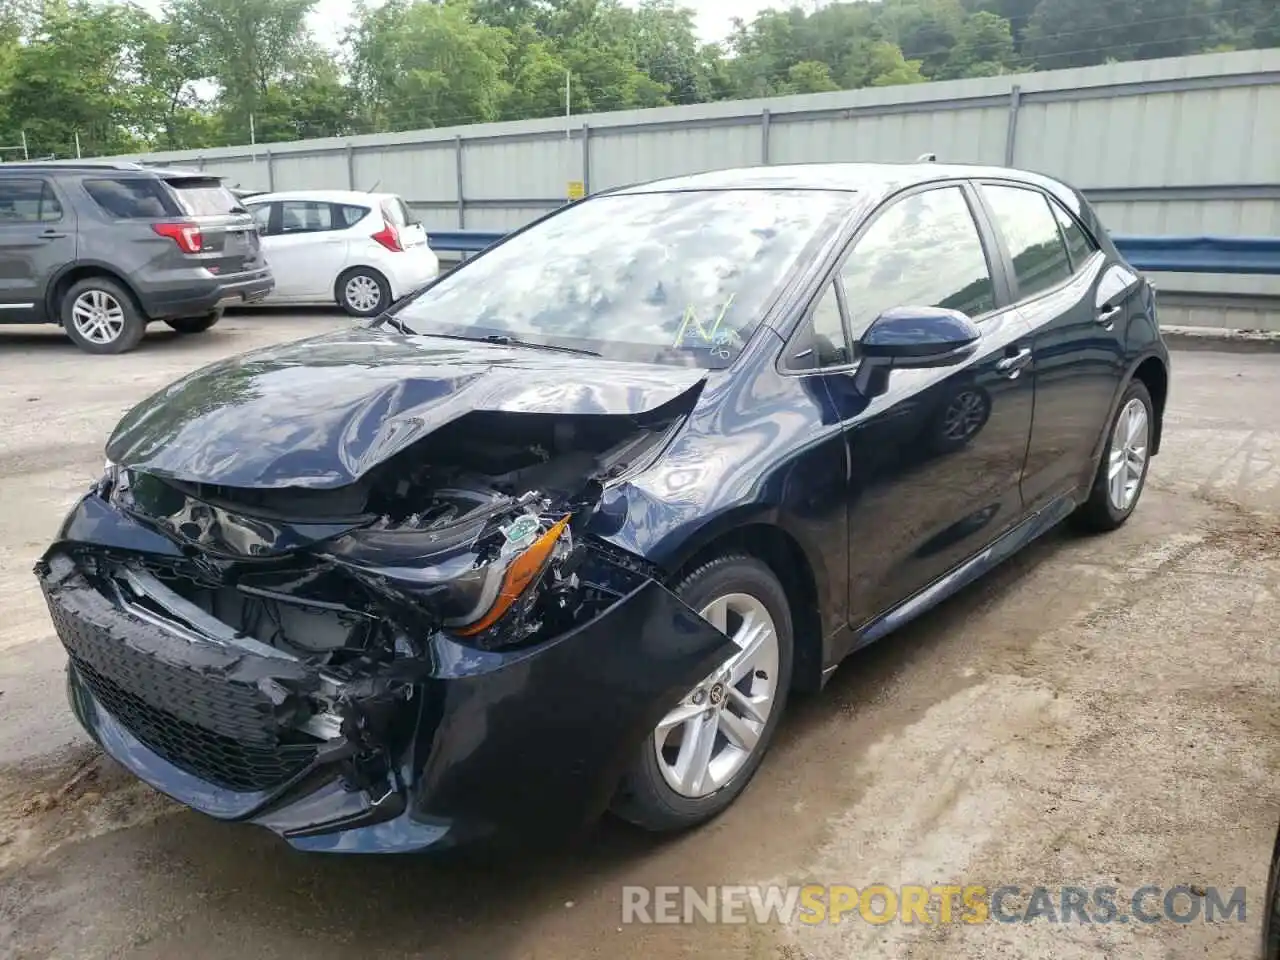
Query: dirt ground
{"x":1100,"y":711}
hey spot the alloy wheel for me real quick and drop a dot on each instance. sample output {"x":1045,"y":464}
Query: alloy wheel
{"x":98,"y":316}
{"x":709,"y":737}
{"x":1128,"y":458}
{"x":964,"y":416}
{"x":363,"y":293}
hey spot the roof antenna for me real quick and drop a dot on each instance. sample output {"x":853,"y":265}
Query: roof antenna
{"x":927,"y":158}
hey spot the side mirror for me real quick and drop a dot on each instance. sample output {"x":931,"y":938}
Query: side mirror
{"x":913,"y":338}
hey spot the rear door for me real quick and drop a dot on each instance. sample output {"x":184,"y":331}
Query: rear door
{"x":1073,"y":299}
{"x":935,"y":462}
{"x":229,"y":238}
{"x":37,"y":238}
{"x":307,"y":249}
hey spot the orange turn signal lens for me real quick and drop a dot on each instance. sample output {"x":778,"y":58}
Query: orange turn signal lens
{"x":523,"y":571}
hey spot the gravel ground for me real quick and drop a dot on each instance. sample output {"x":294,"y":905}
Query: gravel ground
{"x":1099,"y":711}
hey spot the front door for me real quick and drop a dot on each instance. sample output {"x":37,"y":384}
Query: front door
{"x":935,"y":462}
{"x":37,"y":238}
{"x":306,"y":251}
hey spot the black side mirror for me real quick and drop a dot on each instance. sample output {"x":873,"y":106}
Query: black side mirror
{"x":913,"y":338}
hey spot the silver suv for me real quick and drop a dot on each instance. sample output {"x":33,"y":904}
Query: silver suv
{"x":106,"y":248}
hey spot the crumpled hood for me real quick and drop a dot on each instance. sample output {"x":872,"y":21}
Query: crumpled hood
{"x":320,"y":413}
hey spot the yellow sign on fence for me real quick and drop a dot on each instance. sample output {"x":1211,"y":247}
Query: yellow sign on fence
{"x":577,"y":189}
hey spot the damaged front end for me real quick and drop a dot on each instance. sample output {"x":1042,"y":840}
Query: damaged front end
{"x":438,"y":651}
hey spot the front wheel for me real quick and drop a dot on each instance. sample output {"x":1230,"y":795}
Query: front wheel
{"x":363,"y":292}
{"x":1122,"y":472}
{"x":704,"y":752}
{"x":195,"y":324}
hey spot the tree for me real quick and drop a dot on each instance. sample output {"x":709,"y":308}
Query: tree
{"x":1082,"y":33}
{"x":250,"y":45}
{"x":420,"y":64}
{"x":983,"y":48}
{"x":810,"y":76}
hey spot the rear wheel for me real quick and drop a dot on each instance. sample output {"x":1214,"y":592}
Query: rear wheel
{"x":195,"y":324}
{"x":100,"y":316}
{"x":1122,"y":472}
{"x":705,"y":751}
{"x":363,"y":292}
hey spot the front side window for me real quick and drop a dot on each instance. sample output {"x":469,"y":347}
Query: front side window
{"x":923,"y":251}
{"x":1031,"y":233}
{"x":28,"y":201}
{"x":261,"y":216}
{"x":680,"y":278}
{"x":305,"y":216}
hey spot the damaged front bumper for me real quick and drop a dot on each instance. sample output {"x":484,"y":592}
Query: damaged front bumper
{"x":438,"y":746}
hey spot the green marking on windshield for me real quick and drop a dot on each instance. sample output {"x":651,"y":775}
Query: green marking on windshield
{"x":714,"y":336}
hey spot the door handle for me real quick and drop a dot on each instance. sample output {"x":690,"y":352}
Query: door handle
{"x":1107,"y":315}
{"x":1013,"y":365}
{"x":51,"y":235}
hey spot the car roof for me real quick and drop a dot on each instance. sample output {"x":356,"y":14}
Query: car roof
{"x":324,"y":196}
{"x":875,"y":179}
{"x":102,"y":166}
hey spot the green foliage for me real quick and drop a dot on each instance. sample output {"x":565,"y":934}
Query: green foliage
{"x":213,"y":72}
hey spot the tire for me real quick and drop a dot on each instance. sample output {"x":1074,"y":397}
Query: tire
{"x":356,"y":289}
{"x":100,"y":316}
{"x":1102,"y":512}
{"x":1271,"y":908}
{"x":195,"y":324}
{"x":646,"y":797}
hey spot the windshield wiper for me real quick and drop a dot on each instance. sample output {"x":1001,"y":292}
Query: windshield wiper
{"x":498,"y":339}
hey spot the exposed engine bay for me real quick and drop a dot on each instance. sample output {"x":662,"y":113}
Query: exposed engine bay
{"x":479,"y":527}
{"x":330,"y":605}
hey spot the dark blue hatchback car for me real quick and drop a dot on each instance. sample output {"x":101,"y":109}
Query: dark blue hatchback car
{"x":562,"y":532}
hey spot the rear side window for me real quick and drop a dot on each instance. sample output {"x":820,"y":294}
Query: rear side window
{"x":204,"y":196}
{"x":924,"y":251}
{"x":131,"y":199}
{"x":1079,"y":244}
{"x":305,"y":216}
{"x":1031,"y":232}
{"x":28,"y":201}
{"x":349,"y":216}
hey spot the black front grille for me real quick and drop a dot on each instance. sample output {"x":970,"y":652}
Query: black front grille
{"x":220,"y":760}
{"x":221,"y":730}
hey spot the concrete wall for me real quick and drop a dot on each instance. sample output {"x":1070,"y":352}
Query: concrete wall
{"x":1181,"y":146}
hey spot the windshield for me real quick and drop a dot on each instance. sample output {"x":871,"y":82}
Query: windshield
{"x":680,"y":278}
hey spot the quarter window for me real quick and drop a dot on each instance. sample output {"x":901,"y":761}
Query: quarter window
{"x":1031,"y":232}
{"x":825,"y":344}
{"x":137,"y":198}
{"x":28,"y":201}
{"x":349,"y":216}
{"x":924,"y":251}
{"x":1079,"y":244}
{"x":305,"y":216}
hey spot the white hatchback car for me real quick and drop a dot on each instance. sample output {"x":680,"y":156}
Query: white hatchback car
{"x":361,"y":250}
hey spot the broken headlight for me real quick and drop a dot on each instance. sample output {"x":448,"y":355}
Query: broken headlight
{"x":479,"y":586}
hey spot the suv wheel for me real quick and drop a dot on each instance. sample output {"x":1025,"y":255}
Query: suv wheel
{"x":363,"y":292}
{"x":100,"y":316}
{"x":195,"y":324}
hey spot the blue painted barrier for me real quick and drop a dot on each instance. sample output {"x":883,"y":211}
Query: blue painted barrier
{"x":1231,"y":255}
